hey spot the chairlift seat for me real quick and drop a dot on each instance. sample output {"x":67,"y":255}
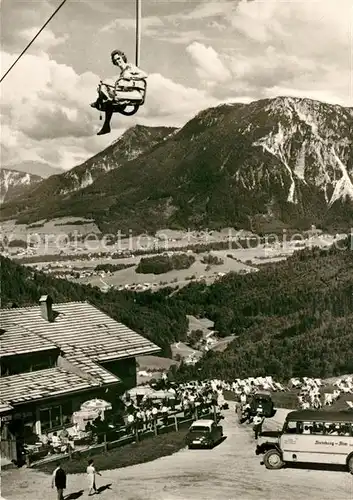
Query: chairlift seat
{"x":128,"y":97}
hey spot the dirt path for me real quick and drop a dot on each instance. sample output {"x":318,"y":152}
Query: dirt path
{"x":230,"y":471}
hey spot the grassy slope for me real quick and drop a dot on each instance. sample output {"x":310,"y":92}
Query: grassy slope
{"x":131,"y":454}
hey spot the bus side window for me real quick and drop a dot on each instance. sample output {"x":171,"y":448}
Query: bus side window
{"x":344,"y":431}
{"x":307,"y":428}
{"x":300,"y":427}
{"x":318,"y":428}
{"x":326,"y":428}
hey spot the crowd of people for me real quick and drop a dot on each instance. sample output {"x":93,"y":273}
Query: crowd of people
{"x":144,"y":411}
{"x":150,"y":407}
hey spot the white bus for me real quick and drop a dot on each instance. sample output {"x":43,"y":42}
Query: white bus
{"x":313,"y":437}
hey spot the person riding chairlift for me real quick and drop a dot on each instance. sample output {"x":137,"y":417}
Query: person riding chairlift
{"x":129,"y":74}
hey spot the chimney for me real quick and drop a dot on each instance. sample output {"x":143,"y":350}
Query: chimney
{"x":46,"y":303}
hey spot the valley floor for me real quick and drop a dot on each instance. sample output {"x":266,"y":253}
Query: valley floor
{"x":228,"y":472}
{"x":238,"y":260}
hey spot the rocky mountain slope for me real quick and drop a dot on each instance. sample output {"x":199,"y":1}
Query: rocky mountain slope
{"x":14,"y":183}
{"x":273,"y":163}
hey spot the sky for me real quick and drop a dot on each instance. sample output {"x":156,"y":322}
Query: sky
{"x":198,"y":54}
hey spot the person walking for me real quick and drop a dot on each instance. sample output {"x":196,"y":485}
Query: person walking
{"x":91,"y":474}
{"x":258,"y":421}
{"x":59,"y":481}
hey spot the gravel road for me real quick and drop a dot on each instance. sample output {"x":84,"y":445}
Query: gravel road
{"x":231,"y":471}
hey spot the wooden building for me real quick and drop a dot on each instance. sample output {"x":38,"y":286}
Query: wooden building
{"x":55,"y":357}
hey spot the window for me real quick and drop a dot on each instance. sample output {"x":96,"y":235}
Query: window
{"x":293,"y":427}
{"x":51,"y":417}
{"x":290,"y":427}
{"x":318,"y":428}
{"x":13,"y":365}
{"x":66,"y":412}
{"x":199,"y":428}
{"x":44,"y":416}
{"x":55,"y":415}
{"x":339,"y":429}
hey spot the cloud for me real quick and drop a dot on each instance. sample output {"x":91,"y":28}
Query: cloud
{"x":129,"y":23}
{"x":208,"y":9}
{"x":46,"y":40}
{"x":51,"y":101}
{"x":169,"y":100}
{"x":49,"y":110}
{"x":199,"y":53}
{"x":209,"y":66}
{"x":294,"y":45}
{"x":286,"y":22}
{"x":17,"y":17}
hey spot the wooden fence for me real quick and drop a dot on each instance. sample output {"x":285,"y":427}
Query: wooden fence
{"x":176,"y":420}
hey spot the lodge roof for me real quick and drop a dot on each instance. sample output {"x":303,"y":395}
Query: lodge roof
{"x":30,"y":386}
{"x":76,"y":325}
{"x":83,"y":334}
{"x":17,"y":339}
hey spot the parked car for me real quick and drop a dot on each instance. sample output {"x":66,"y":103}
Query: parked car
{"x":204,"y":433}
{"x":262,"y":401}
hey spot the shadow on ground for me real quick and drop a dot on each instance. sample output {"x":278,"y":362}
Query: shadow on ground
{"x":103,"y":488}
{"x":73,"y":496}
{"x":305,"y":466}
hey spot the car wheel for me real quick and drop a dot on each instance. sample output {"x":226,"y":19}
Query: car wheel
{"x":273,"y":459}
{"x":350,"y":464}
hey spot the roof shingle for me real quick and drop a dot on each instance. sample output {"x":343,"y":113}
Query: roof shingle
{"x":78,"y":324}
{"x":17,"y":339}
{"x":24,"y":387}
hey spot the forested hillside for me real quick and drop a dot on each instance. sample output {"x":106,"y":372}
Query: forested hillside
{"x":291,"y":318}
{"x":152,"y":315}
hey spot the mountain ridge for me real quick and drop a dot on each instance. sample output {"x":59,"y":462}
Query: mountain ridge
{"x":56,"y":188}
{"x":33,"y":167}
{"x":272,"y":163}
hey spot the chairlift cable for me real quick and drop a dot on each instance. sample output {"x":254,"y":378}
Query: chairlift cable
{"x":33,"y":39}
